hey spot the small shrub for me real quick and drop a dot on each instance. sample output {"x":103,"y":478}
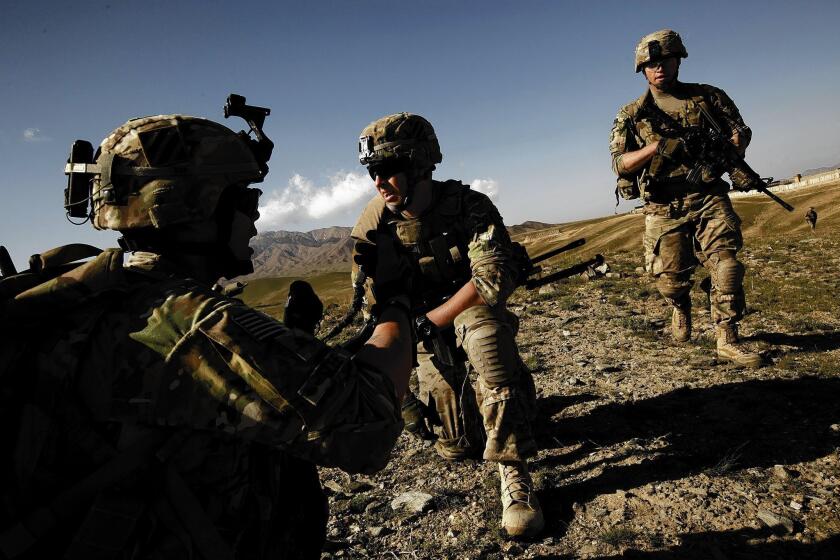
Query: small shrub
{"x":618,"y":536}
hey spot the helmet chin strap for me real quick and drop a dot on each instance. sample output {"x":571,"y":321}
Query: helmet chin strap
{"x":218,"y":253}
{"x":413,"y":176}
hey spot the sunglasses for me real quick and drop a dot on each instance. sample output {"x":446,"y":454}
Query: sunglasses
{"x":388,"y":169}
{"x":653,"y":65}
{"x":248,"y":202}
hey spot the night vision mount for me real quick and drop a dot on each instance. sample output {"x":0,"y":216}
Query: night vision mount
{"x":255,"y":117}
{"x":82,"y":166}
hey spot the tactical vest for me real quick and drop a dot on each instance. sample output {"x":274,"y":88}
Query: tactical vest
{"x":438,"y":242}
{"x":664,"y":177}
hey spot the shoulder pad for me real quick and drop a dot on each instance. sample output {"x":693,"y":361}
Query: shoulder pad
{"x":451,"y":195}
{"x":286,"y":366}
{"x":102,"y":274}
{"x":369,"y":219}
{"x":633,"y":107}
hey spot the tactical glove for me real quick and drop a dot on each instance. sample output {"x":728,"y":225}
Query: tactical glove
{"x":671,"y":148}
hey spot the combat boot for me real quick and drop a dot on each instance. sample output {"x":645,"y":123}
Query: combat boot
{"x":681,"y":323}
{"x":522,"y":515}
{"x":730,"y":348}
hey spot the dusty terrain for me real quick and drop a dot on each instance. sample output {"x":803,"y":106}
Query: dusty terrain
{"x":648,"y":449}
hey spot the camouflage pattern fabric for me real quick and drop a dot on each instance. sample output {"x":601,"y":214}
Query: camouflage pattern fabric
{"x":658,"y":45}
{"x":685,"y":223}
{"x":644,"y":131}
{"x":447,"y":391}
{"x":146,"y":184}
{"x":250,"y":404}
{"x":694,"y":229}
{"x":462,"y":238}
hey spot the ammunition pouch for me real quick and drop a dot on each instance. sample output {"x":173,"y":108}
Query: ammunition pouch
{"x":628,"y":189}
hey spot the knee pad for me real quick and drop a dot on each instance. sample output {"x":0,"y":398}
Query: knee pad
{"x":673,"y":287}
{"x":728,"y":274}
{"x":490,"y":345}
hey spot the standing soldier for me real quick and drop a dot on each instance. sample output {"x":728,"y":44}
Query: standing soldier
{"x":146,"y":415}
{"x":464,"y":273}
{"x":688,"y":216}
{"x":811,"y":217}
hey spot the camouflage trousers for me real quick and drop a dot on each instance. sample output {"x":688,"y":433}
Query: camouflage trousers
{"x":496,"y":415}
{"x":698,"y":228}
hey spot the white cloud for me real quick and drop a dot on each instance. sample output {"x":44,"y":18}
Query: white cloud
{"x":34,"y":135}
{"x":301,"y":200}
{"x":490,"y":187}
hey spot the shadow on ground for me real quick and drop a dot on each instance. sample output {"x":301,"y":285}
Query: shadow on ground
{"x":758,"y":423}
{"x":810,"y":342}
{"x":735,"y":544}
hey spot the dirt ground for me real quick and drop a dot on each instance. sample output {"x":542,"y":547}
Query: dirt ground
{"x":648,"y":449}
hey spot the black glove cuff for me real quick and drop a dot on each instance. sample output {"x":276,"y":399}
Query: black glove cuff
{"x":400,"y":302}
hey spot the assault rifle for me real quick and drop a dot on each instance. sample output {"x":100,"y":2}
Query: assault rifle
{"x":528,"y":266}
{"x":712,"y":151}
{"x":715,"y":146}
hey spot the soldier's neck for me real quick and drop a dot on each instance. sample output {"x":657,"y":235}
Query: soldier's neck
{"x":667,"y":89}
{"x":422,"y":200}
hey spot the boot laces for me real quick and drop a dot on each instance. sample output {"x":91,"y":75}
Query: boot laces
{"x":516,"y":484}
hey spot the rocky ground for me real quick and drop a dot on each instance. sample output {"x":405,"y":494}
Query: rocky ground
{"x":648,"y":449}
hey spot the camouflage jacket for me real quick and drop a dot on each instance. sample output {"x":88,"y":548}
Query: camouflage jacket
{"x":460,"y":238}
{"x":106,"y":354}
{"x":632,"y":129}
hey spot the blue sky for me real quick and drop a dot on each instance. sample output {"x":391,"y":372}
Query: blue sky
{"x":522,"y":93}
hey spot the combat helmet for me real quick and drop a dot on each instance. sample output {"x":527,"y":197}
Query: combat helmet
{"x":163,"y":170}
{"x":400,"y":137}
{"x":658,"y":45}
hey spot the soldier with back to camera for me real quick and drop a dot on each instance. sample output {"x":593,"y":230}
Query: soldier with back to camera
{"x":146,"y":415}
{"x":464,"y":271}
{"x":688,"y":214}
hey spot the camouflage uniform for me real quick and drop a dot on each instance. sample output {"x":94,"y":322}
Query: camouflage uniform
{"x":145,"y":414}
{"x":684,"y":223}
{"x":811,"y":218}
{"x":240,"y":407}
{"x":462,"y":238}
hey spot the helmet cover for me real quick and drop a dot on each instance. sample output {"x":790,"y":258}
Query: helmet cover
{"x":657,"y":46}
{"x":400,"y":136}
{"x":167,"y":169}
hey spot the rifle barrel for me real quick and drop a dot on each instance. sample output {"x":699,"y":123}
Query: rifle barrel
{"x":778,"y":200}
{"x":558,"y":250}
{"x":565,"y":273}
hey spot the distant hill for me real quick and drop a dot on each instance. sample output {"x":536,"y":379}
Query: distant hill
{"x":820,"y":169}
{"x":297,"y":253}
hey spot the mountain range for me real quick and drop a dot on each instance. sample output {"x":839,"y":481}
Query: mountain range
{"x":303,"y":253}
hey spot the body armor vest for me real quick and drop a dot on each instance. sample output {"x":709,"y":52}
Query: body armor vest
{"x":438,"y":242}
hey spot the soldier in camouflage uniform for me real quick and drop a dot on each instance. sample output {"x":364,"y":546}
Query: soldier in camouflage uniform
{"x":146,"y":415}
{"x":685,"y":222}
{"x":464,"y":273}
{"x":811,"y":217}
